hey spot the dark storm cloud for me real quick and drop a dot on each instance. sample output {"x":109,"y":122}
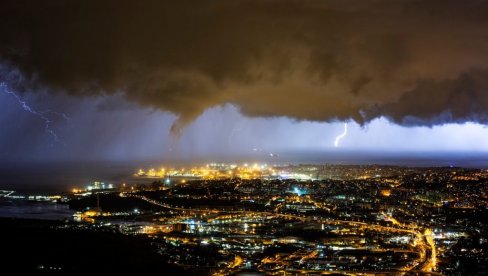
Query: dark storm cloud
{"x":415,"y":62}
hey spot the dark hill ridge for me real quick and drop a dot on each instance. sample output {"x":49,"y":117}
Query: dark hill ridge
{"x":40,"y":247}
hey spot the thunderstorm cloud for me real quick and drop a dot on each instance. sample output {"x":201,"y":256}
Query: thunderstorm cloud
{"x":413,"y":62}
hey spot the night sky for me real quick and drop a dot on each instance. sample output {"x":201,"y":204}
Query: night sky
{"x":136,"y":81}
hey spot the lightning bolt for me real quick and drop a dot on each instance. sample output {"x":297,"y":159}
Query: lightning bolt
{"x":40,"y":114}
{"x":339,"y":137}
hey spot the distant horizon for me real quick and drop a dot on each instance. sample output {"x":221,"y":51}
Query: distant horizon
{"x":56,"y":176}
{"x":343,"y":156}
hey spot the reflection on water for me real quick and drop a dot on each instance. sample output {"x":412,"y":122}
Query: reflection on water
{"x":34,"y":210}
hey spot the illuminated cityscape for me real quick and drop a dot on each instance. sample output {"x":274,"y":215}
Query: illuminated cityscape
{"x":226,"y":219}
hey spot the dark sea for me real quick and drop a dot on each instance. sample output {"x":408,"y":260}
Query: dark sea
{"x":34,"y":210}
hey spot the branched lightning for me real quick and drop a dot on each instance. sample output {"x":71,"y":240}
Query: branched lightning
{"x":64,"y":116}
{"x":40,"y":114}
{"x":342,"y":135}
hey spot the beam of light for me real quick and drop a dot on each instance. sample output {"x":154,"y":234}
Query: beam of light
{"x":40,"y":114}
{"x":339,"y":137}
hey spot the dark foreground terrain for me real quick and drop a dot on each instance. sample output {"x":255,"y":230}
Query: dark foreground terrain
{"x":44,"y":247}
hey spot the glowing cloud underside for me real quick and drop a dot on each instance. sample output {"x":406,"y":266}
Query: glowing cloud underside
{"x":342,"y":135}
